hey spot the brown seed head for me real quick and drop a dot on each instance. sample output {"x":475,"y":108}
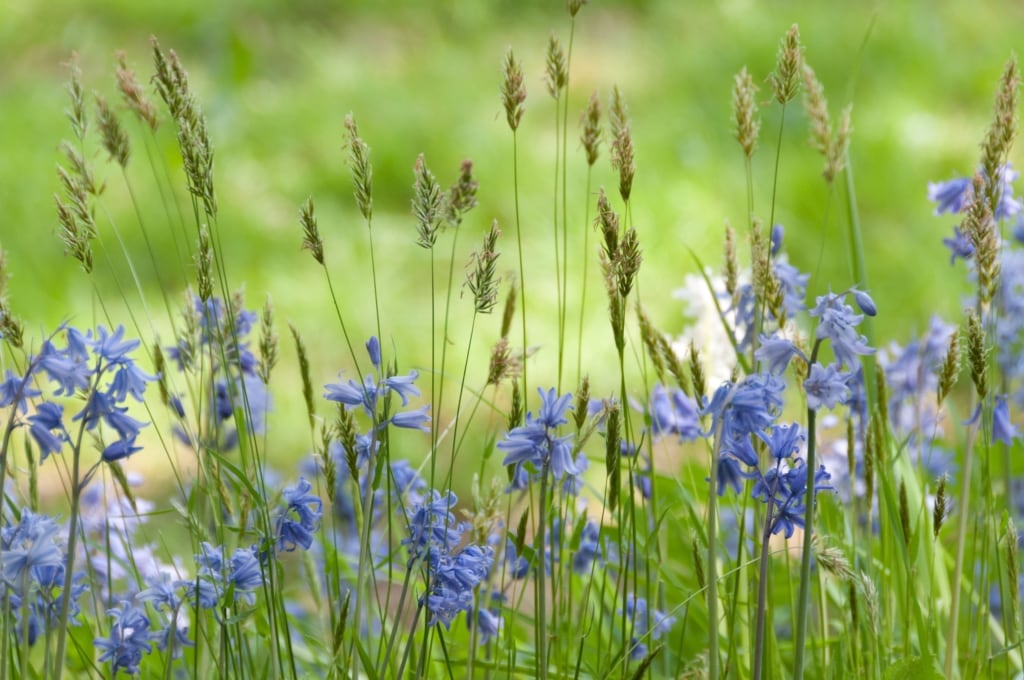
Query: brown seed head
{"x":557,"y":74}
{"x":513,"y":90}
{"x":744,"y":109}
{"x":427,"y":204}
{"x":311,"y":240}
{"x":134,"y":96}
{"x":785,"y":79}
{"x":113,"y":134}
{"x":590,"y":136}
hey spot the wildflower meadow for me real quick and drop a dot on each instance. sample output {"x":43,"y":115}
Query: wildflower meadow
{"x":548,"y":478}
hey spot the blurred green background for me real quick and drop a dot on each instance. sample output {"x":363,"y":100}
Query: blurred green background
{"x":276,"y":80}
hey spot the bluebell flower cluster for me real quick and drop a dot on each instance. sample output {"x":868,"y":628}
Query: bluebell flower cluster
{"x":744,"y":413}
{"x":837,"y":323}
{"x":98,"y":367}
{"x":301,"y":518}
{"x":215,"y":339}
{"x":240,"y":574}
{"x":648,"y":624}
{"x":452,"y":574}
{"x":951,"y":196}
{"x":373,"y":395}
{"x":32,"y":559}
{"x":128,"y":640}
{"x":674,"y":413}
{"x":742,"y":307}
{"x":535,"y":448}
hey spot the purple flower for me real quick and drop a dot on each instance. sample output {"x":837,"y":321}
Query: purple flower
{"x":674,"y":413}
{"x":776,"y":352}
{"x":535,"y":442}
{"x":17,"y":390}
{"x":300,"y":519}
{"x":413,"y":420}
{"x":589,"y":548}
{"x":1003,"y":429}
{"x":951,"y":195}
{"x":648,"y":624}
{"x":959,"y":246}
{"x":129,"y":638}
{"x":837,"y":323}
{"x":47,"y":420}
{"x":826,"y":387}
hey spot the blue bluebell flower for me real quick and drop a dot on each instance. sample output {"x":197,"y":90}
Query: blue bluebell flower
{"x":128,"y":640}
{"x":837,"y":322}
{"x":648,"y":624}
{"x":69,"y":374}
{"x":373,"y":349}
{"x":1003,"y":429}
{"x":517,"y":565}
{"x":589,"y":550}
{"x":826,"y":387}
{"x":951,"y":195}
{"x":674,"y":413}
{"x":17,"y":390}
{"x":417,"y":419}
{"x":300,"y":519}
{"x":47,"y":428}
{"x":959,"y":246}
{"x":775,"y":353}
{"x":864,"y":301}
{"x":535,"y":442}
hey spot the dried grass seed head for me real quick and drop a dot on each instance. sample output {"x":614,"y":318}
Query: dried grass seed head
{"x":362,"y":170}
{"x":574,"y":6}
{"x":461,"y":195}
{"x":513,"y":90}
{"x":785,"y":79}
{"x":744,"y":108}
{"x":557,"y":73}
{"x":133,"y":95}
{"x":590,"y":136}
{"x":427,"y":204}
{"x":113,"y":135}
{"x":482,"y":279}
{"x":311,"y":239}
{"x":1003,"y":129}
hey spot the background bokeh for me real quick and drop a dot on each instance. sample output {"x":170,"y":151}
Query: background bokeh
{"x":276,"y":80}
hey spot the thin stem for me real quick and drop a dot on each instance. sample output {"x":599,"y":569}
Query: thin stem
{"x":519,"y":245}
{"x":805,"y":558}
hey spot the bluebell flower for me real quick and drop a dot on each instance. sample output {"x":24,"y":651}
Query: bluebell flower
{"x":951,"y":195}
{"x":589,"y":550}
{"x":778,"y":231}
{"x":1018,"y":230}
{"x":784,"y":441}
{"x":113,"y":348}
{"x":747,"y":407}
{"x":47,"y":428}
{"x":826,"y":387}
{"x":775,"y":353}
{"x":413,"y":420}
{"x":432,"y":525}
{"x":794,"y":286}
{"x":71,"y":375}
{"x":1003,"y":429}
{"x":408,"y":482}
{"x":488,"y":623}
{"x":128,"y":640}
{"x":17,"y":391}
{"x":864,"y":301}
{"x":120,"y":449}
{"x":959,"y":246}
{"x":648,"y":624}
{"x":373,"y":349}
{"x":518,"y":566}
{"x":246,"y":574}
{"x":30,"y":547}
{"x":674,"y":413}
{"x":837,"y":322}
{"x":535,"y":442}
{"x":300,"y":519}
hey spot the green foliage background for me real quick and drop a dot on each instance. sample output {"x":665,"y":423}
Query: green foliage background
{"x":277,"y":78}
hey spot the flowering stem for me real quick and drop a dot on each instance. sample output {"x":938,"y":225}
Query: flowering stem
{"x":762,"y":587}
{"x":540,"y":626}
{"x":713,"y":557}
{"x":805,"y":557}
